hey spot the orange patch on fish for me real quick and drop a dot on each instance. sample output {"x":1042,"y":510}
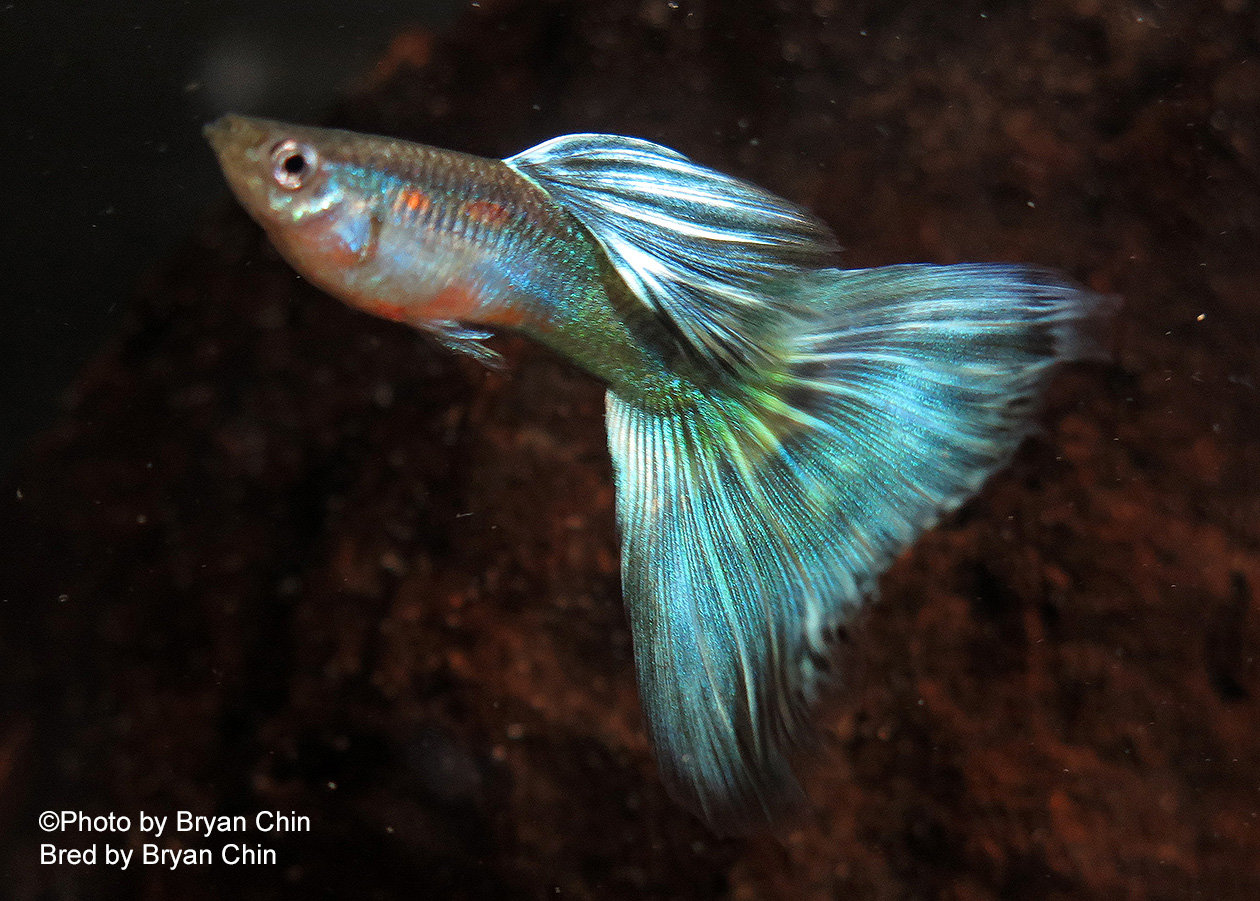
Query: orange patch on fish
{"x":486,"y":212}
{"x":415,"y":202}
{"x":513,"y":317}
{"x":460,"y":303}
{"x":456,"y":303}
{"x":452,"y":302}
{"x":395,"y":312}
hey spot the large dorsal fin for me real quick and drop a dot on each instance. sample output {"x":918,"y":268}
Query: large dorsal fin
{"x":698,"y":247}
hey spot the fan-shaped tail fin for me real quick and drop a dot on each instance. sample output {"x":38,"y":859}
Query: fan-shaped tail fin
{"x":754,"y":523}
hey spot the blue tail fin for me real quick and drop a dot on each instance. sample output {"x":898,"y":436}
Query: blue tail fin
{"x":753,"y":524}
{"x":854,"y":409}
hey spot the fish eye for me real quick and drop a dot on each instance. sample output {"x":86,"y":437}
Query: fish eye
{"x":291,"y":163}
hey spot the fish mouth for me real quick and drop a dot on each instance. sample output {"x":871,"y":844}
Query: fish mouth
{"x":242,"y":145}
{"x":233,"y":134}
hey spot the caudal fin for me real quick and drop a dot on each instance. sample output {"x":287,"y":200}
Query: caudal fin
{"x":847,"y":411}
{"x":754,"y":523}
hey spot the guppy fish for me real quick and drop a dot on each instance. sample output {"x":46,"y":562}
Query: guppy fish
{"x":780,"y":428}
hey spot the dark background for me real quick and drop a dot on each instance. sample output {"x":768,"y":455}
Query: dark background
{"x":272,"y":553}
{"x":105,"y":168}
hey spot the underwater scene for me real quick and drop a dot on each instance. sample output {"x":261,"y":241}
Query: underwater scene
{"x":630,"y":449}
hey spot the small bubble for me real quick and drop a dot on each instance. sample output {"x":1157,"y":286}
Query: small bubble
{"x":383,"y":395}
{"x":655,"y":14}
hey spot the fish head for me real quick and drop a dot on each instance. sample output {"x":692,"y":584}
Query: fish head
{"x":298,"y":183}
{"x":276,"y":170}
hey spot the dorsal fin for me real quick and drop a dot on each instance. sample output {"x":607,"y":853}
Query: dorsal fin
{"x":698,"y":247}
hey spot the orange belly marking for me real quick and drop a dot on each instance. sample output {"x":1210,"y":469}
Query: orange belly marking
{"x":453,"y":302}
{"x":458,"y":302}
{"x":486,"y":212}
{"x":395,"y":312}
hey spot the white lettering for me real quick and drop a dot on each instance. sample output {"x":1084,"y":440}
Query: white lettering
{"x":185,"y":821}
{"x":234,"y":854}
{"x":152,"y":823}
{"x":108,"y":822}
{"x":51,"y":854}
{"x":176,"y":857}
{"x":275,"y":821}
{"x":118,"y":857}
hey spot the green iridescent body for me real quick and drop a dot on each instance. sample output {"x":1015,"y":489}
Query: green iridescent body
{"x":780,"y":428}
{"x":432,"y":235}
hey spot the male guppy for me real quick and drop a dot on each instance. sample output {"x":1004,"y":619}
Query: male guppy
{"x":780,"y":428}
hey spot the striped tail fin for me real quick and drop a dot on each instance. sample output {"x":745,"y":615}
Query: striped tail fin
{"x":754,"y":525}
{"x":853,"y":408}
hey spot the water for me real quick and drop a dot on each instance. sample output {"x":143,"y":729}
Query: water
{"x":107,"y":168}
{"x":276,"y":557}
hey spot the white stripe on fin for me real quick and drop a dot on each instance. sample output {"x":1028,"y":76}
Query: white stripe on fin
{"x":752,"y":528}
{"x":699,"y":247}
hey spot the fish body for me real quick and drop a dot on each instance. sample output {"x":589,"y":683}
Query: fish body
{"x":780,"y":427}
{"x":439,"y":240}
